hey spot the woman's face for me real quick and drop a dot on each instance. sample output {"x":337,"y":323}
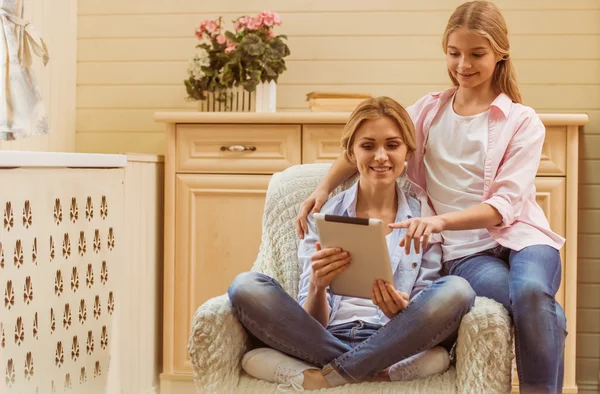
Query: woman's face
{"x":470,"y":58}
{"x":379,"y":151}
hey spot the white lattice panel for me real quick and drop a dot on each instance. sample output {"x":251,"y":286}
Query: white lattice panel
{"x":59,"y":244}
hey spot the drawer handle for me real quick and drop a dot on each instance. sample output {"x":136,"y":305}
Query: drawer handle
{"x":238,"y":148}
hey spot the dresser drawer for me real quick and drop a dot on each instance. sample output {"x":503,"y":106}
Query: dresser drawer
{"x":554,"y":152}
{"x":321,"y":143}
{"x":245,"y":149}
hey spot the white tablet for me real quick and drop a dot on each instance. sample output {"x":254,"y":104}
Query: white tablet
{"x":364,"y":239}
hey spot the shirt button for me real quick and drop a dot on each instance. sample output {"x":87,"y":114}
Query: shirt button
{"x":414,"y":265}
{"x":487,"y":182}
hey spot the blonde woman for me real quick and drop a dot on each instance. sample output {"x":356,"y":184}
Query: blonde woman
{"x":477,"y":153}
{"x":326,"y":340}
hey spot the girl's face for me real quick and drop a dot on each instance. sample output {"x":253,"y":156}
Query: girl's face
{"x":379,"y":151}
{"x":470,"y":58}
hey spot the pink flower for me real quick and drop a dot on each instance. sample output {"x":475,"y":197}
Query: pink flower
{"x":209,"y":27}
{"x":241,"y":23}
{"x":271,"y":33}
{"x":198,"y":33}
{"x":221,"y":39}
{"x":270,"y":18}
{"x":230,"y":47}
{"x":255,"y":23}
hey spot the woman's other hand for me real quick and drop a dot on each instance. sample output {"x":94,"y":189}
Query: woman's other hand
{"x":388,"y":299}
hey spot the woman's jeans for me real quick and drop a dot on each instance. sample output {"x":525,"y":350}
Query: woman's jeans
{"x":525,"y":282}
{"x":355,"y":351}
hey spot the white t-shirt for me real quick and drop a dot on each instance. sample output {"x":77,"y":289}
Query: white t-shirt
{"x":454,"y":159}
{"x":354,"y":308}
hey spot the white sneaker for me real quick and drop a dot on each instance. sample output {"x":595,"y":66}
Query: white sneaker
{"x":421,"y":365}
{"x":276,"y":367}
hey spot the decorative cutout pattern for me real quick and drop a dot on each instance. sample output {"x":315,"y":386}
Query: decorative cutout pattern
{"x":104,"y":273}
{"x":104,"y":338}
{"x":66,"y":246}
{"x":82,"y":376}
{"x":97,"y":308}
{"x":75,"y":349}
{"x":89,"y":276}
{"x":19,"y":332}
{"x":10,"y":373}
{"x":74,"y":211}
{"x":9,"y":295}
{"x":61,"y":317}
{"x":35,"y":330}
{"x":111,"y":239}
{"x":28,"y":291}
{"x":27,"y":216}
{"x":89,"y":346}
{"x":82,"y":244}
{"x":74,"y":280}
{"x":111,"y":303}
{"x":67,"y":317}
{"x":51,"y":248}
{"x":34,"y":252}
{"x":89,"y":209}
{"x":104,"y":208}
{"x":97,"y":244}
{"x":68,"y":384}
{"x":82,"y":312}
{"x":58,"y":216}
{"x":29,"y":366}
{"x":18,"y":254}
{"x":59,"y":357}
{"x":9,"y":219}
{"x":52,"y":320}
{"x":58,"y":284}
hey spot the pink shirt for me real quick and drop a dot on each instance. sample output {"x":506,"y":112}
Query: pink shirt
{"x":515,"y":138}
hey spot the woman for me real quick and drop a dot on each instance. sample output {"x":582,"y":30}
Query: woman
{"x":339,"y":339}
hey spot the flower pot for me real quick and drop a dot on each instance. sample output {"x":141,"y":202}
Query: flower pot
{"x":237,"y":99}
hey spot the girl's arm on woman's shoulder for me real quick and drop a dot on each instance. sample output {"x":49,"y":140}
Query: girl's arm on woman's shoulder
{"x":339,"y":171}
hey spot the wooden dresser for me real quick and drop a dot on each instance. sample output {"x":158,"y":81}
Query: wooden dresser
{"x":217,"y":169}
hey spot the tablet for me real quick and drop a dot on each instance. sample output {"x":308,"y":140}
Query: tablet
{"x":364,"y":240}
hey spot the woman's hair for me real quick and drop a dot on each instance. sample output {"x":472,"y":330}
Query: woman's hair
{"x":484,"y":19}
{"x":375,"y":108}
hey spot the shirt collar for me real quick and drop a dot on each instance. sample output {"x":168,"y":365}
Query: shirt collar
{"x":351,"y":196}
{"x":502,"y":101}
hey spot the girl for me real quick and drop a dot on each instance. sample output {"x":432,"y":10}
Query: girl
{"x":346,"y":339}
{"x":477,"y":154}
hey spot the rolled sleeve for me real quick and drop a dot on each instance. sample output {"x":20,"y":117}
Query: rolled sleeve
{"x":514,"y":181}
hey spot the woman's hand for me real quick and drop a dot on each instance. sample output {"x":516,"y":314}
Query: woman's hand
{"x":326,"y":265}
{"x":315,"y":201}
{"x":388,"y":299}
{"x":418,"y":228}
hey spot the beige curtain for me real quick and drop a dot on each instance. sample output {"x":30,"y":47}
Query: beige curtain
{"x":22,"y":112}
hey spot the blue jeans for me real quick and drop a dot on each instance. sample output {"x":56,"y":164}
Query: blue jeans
{"x":525,"y":282}
{"x":355,"y":351}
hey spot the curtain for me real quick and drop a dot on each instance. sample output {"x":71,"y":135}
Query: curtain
{"x":22,"y":111}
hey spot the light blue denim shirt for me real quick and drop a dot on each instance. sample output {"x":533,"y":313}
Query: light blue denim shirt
{"x":412,"y":272}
